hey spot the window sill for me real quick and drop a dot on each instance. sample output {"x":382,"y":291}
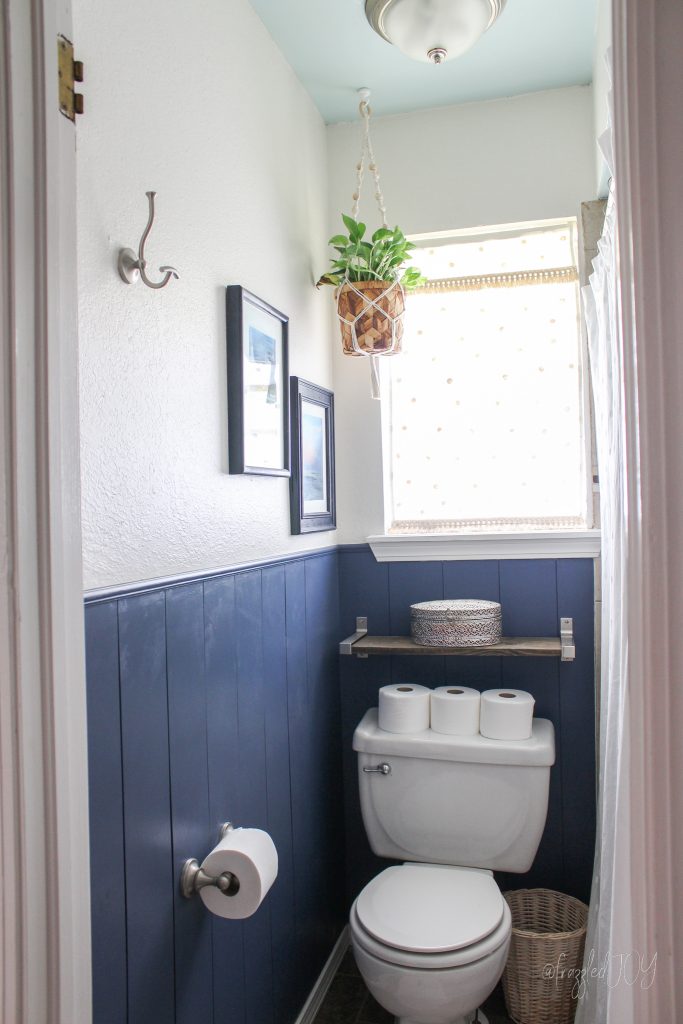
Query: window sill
{"x":474,"y":546}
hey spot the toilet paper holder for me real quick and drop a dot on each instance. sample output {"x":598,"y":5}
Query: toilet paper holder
{"x":193,"y":878}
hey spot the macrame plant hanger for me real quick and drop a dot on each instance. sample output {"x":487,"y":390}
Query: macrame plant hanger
{"x":389,"y":305}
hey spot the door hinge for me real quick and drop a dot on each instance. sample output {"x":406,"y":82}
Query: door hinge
{"x":69,"y":72}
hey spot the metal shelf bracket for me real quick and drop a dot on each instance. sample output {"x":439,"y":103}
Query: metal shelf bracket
{"x":567,"y":639}
{"x":346,"y":646}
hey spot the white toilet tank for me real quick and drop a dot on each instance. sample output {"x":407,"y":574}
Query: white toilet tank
{"x":462,"y":800}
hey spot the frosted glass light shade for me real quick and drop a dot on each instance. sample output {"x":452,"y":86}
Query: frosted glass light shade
{"x":432,"y":30}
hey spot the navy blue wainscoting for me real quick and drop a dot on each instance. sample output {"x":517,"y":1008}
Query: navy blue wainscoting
{"x":534,"y":594}
{"x":213,"y":700}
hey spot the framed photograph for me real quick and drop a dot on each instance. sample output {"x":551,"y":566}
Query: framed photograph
{"x":312,"y":499}
{"x":258,"y":401}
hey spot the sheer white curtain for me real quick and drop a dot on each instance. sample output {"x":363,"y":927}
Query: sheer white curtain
{"x":602,"y":998}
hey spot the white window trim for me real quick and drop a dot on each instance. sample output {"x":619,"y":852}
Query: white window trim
{"x":432,"y":547}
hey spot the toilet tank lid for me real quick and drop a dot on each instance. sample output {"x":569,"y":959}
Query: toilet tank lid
{"x":539,"y":750}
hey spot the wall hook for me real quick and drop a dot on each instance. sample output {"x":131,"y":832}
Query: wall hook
{"x":132,"y":267}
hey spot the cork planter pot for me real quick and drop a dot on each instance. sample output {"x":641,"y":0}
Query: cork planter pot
{"x":371,"y":314}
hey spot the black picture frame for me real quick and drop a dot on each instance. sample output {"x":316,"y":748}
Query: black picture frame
{"x":257,"y":338}
{"x":312,"y":484}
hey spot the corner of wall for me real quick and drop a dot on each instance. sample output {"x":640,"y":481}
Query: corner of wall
{"x":601,"y":87}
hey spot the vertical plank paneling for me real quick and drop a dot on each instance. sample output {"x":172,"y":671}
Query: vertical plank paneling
{"x":229,"y":699}
{"x":147,"y":809}
{"x":281,"y":897}
{"x":577,"y":702}
{"x":252,"y":803}
{"x":192,"y":834}
{"x":363,"y":590}
{"x":528,"y":594}
{"x":107,"y":864}
{"x":219,"y":715}
{"x":323,"y":750}
{"x":410,"y":582}
{"x":297,"y":710}
{"x":480,"y":580}
{"x":220,"y":648}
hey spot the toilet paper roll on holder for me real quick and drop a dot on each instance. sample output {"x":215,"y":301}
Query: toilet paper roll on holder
{"x":193,"y":878}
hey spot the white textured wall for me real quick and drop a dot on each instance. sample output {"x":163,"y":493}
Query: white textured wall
{"x":503,"y":161}
{"x":196,"y":102}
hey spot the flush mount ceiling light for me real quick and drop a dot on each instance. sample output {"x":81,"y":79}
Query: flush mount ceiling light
{"x":432,"y":30}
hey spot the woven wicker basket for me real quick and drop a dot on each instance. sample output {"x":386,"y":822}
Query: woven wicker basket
{"x":548,"y":937}
{"x":374,"y":309}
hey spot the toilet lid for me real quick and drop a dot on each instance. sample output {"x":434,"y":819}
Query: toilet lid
{"x":430,"y":908}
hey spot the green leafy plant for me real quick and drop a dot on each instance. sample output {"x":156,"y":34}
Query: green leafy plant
{"x":382,"y":258}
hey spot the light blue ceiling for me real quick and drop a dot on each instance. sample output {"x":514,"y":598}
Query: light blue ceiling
{"x":535,"y":44}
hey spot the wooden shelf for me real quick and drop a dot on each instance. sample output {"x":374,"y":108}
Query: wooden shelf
{"x":508,"y":646}
{"x":361,"y":644}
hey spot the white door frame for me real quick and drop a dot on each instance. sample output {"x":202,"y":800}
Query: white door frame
{"x":44,"y":878}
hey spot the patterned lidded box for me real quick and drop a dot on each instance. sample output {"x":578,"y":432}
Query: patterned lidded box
{"x":456,"y":623}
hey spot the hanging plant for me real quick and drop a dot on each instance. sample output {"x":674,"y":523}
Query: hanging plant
{"x":383,"y":258}
{"x":370,"y":275}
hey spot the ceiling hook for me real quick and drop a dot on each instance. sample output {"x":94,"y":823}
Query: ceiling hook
{"x":132,"y":266}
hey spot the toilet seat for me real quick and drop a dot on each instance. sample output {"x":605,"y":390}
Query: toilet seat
{"x":429,"y":916}
{"x":430,"y":908}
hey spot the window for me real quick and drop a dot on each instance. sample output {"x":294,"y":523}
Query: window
{"x":483,"y":422}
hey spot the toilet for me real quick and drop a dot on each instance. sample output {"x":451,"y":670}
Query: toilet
{"x":431,"y":935}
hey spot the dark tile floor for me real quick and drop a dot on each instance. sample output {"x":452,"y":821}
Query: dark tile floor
{"x":349,"y":1002}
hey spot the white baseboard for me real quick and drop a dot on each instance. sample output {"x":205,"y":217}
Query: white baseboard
{"x":319,"y":990}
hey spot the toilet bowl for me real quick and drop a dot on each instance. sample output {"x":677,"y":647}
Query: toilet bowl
{"x":431,"y":941}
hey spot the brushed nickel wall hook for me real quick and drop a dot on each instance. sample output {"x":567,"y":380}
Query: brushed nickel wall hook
{"x":132,"y":267}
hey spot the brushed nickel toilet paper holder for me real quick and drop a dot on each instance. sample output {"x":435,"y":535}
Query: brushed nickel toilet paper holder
{"x":193,"y":878}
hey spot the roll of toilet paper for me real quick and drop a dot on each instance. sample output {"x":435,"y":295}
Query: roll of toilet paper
{"x":250,"y":855}
{"x":455,"y":710}
{"x":506,"y":714}
{"x":404,"y":707}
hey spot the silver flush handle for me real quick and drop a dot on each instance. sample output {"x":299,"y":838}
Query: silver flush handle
{"x":383,"y":769}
